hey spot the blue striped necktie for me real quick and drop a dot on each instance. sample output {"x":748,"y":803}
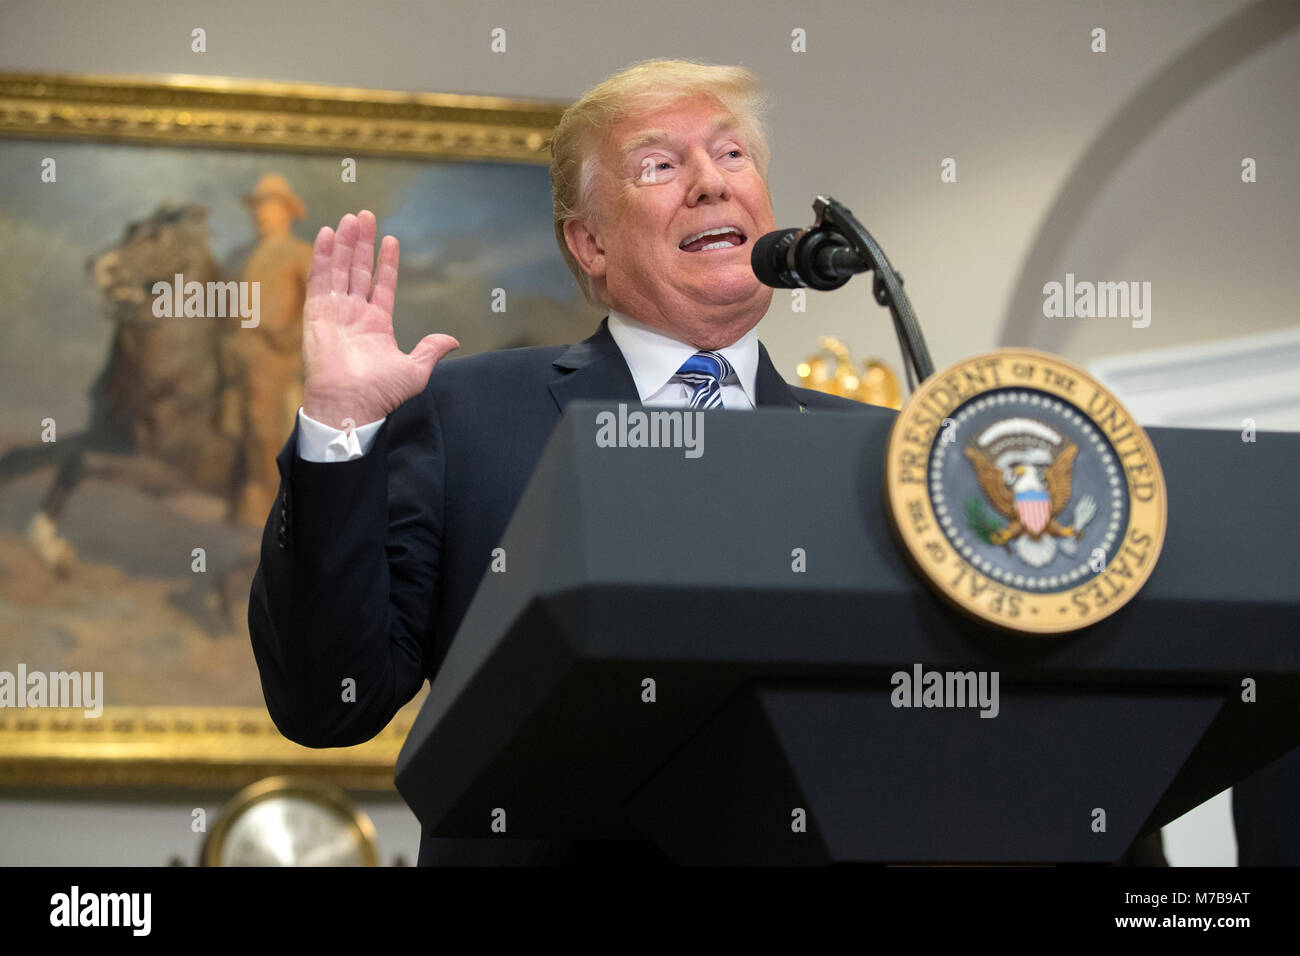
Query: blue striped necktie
{"x":705,"y":372}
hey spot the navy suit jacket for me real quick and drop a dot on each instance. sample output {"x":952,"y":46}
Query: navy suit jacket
{"x":368,"y":566}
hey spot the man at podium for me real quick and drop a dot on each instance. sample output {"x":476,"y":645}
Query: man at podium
{"x":398,"y":480}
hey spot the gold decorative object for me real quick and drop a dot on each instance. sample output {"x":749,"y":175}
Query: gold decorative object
{"x":876,"y":384}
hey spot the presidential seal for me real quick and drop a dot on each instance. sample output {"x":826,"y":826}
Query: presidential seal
{"x":1024,"y":493}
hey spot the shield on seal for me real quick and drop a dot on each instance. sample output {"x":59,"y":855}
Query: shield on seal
{"x":1034,"y":509}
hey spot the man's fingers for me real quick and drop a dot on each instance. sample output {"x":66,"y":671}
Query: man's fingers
{"x":318,"y":279}
{"x":431,"y":348}
{"x":341,"y":259}
{"x":363,"y":255}
{"x":384,"y":292}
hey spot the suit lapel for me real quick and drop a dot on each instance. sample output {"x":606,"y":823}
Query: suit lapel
{"x":595,"y":369}
{"x":772,"y":390}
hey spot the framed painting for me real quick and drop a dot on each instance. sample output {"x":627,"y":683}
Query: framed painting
{"x":141,"y":423}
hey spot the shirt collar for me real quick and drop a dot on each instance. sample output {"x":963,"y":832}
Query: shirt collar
{"x":654,"y":356}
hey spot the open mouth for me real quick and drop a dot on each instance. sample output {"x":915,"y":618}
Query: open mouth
{"x":712,"y":240}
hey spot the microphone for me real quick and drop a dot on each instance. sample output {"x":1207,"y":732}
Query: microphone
{"x":816,"y":258}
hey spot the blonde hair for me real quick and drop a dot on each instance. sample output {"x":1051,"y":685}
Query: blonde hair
{"x":642,"y":88}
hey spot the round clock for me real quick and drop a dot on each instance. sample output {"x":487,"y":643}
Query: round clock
{"x":291,"y":821}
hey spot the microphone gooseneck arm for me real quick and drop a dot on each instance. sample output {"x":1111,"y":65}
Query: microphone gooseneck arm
{"x":887,"y":285}
{"x":824,"y":257}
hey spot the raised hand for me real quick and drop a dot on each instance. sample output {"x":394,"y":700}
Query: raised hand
{"x":352,"y":367}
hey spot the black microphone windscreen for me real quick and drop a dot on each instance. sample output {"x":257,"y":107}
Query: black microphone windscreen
{"x":770,"y":261}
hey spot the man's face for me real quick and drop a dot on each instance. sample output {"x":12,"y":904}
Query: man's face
{"x":273,"y":216}
{"x":669,"y":176}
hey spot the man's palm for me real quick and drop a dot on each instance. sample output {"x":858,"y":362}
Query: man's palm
{"x":352,"y":367}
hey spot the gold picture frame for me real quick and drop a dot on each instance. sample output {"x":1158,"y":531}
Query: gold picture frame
{"x":183,"y":109}
{"x":179,"y":747}
{"x":228,"y":747}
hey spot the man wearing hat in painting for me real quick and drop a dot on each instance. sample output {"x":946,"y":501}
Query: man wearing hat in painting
{"x":266,"y":358}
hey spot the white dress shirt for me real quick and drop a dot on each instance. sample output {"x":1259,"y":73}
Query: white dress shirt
{"x":653,"y":357}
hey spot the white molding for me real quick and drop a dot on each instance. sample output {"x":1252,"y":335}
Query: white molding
{"x":1211,"y":384}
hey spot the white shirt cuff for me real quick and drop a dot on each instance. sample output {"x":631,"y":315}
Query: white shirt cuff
{"x":321,"y":443}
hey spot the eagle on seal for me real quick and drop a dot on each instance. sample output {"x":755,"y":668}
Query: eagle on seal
{"x":1029,"y":507}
